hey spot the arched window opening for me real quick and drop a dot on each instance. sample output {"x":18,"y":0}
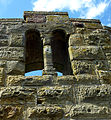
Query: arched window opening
{"x":60,"y":55}
{"x":33,"y":51}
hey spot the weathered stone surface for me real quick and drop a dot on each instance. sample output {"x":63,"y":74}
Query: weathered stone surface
{"x":45,"y":113}
{"x":12,"y":53}
{"x":86,"y":52}
{"x":107,"y":52}
{"x":17,"y":95}
{"x":16,"y":40}
{"x":87,"y":79}
{"x":93,"y":25}
{"x":89,"y":66}
{"x":3,"y":42}
{"x":76,"y":39}
{"x":52,"y":42}
{"x":109,"y":63}
{"x":53,"y":94}
{"x":101,"y":65}
{"x":36,"y":19}
{"x":105,"y":76}
{"x":2,"y":76}
{"x":11,"y":112}
{"x":83,"y":31}
{"x":82,"y":67}
{"x":95,"y":94}
{"x":15,"y":68}
{"x":2,"y":63}
{"x":90,"y":110}
{"x":66,"y":80}
{"x":97,"y":38}
{"x":15,"y":80}
{"x":56,"y":19}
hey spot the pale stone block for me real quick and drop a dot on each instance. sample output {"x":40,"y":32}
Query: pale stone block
{"x":76,"y":39}
{"x":86,"y":53}
{"x":12,"y":53}
{"x":83,"y":67}
{"x":15,"y":68}
{"x":55,"y":94}
{"x":16,"y":40}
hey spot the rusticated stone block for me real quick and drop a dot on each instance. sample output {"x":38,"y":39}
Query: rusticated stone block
{"x":107,"y":52}
{"x":90,"y":110}
{"x":15,"y":68}
{"x":3,"y":42}
{"x":2,"y":76}
{"x":76,"y":39}
{"x":86,"y":52}
{"x":95,"y":94}
{"x":36,"y":19}
{"x":66,"y":80}
{"x":99,"y":39}
{"x":89,"y":66}
{"x":82,"y":67}
{"x":101,"y":65}
{"x":53,"y":94}
{"x":83,"y":31}
{"x":2,"y":63}
{"x":45,"y":113}
{"x":56,"y":18}
{"x":105,"y":76}
{"x":15,"y":80}
{"x":87,"y":79}
{"x":12,"y":53}
{"x":16,"y":40}
{"x":9,"y":112}
{"x":17,"y":95}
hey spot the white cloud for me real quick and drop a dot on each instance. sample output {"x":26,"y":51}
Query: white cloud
{"x":87,"y":8}
{"x":51,"y":5}
{"x":96,"y":10}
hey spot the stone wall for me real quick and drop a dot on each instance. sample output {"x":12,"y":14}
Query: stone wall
{"x":51,"y":41}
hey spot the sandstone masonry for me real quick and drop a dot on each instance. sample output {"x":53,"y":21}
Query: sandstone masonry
{"x":51,"y":41}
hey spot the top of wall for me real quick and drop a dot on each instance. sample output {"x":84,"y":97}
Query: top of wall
{"x":30,"y":14}
{"x":85,"y":20}
{"x":44,"y":13}
{"x":11,"y":20}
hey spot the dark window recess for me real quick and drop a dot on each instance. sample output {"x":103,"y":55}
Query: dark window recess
{"x":80,"y":25}
{"x":60,"y":55}
{"x":33,"y":51}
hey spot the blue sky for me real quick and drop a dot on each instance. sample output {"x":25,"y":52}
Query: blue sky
{"x":88,"y":9}
{"x":92,"y":9}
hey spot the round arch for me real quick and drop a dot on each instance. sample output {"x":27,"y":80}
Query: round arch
{"x":33,"y":51}
{"x":60,"y":54}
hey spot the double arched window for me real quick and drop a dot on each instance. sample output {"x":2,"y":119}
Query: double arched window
{"x":34,"y":51}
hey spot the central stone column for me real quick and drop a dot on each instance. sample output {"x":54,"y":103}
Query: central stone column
{"x":47,"y":53}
